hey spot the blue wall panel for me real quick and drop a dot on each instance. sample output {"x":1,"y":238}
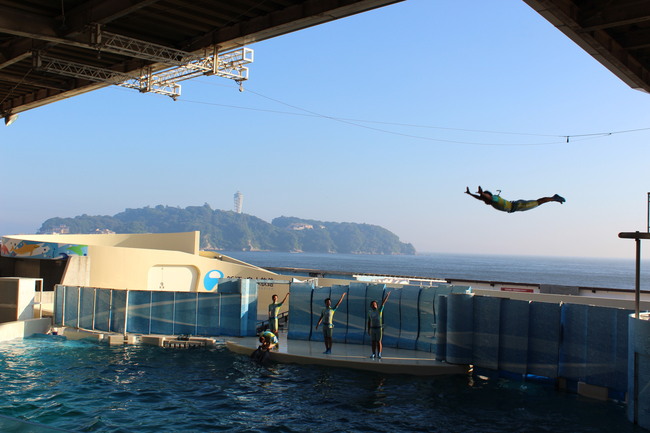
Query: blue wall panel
{"x":138,"y":319}
{"x":230,"y":314}
{"x":426,"y":316}
{"x":441,"y":328}
{"x":230,"y":307}
{"x":573,"y":347}
{"x":208,"y":314}
{"x":300,"y":301}
{"x":460,"y":324}
{"x":102,"y":310}
{"x":162,"y":313}
{"x":357,"y":311}
{"x":118,"y":311}
{"x":317,"y":305}
{"x":392,"y":318}
{"x":600,"y":342}
{"x":249,"y":308}
{"x":341,"y":315}
{"x":87,"y":306}
{"x":639,"y":371}
{"x":619,"y":376}
{"x":185,"y":313}
{"x":237,"y":297}
{"x":440,"y":290}
{"x":59,"y":296}
{"x":409,"y":317}
{"x":71,"y":306}
{"x":544,"y":339}
{"x":513,"y":345}
{"x":487,"y":312}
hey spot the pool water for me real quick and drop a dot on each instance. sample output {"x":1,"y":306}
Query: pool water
{"x":89,"y":387}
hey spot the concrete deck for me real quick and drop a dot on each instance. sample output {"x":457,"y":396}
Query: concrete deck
{"x":356,"y":356}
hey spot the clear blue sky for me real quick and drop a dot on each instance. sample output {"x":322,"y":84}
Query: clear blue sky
{"x":316,"y":135}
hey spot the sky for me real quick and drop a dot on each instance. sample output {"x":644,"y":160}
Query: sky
{"x":382,"y":118}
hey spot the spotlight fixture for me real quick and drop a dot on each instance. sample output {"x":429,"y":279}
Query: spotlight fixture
{"x":10,"y":118}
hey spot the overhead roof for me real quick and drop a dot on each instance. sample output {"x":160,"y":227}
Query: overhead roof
{"x":614,"y":32}
{"x":67,"y":30}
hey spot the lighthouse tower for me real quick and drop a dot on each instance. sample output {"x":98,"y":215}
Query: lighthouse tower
{"x":239,"y":201}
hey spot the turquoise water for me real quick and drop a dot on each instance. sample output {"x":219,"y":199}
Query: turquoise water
{"x":89,"y":387}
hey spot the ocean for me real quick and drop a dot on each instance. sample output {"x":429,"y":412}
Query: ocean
{"x":569,"y":271}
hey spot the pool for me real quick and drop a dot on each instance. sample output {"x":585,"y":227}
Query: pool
{"x":88,"y":387}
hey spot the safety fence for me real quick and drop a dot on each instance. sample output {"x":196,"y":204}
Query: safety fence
{"x":232,"y":311}
{"x":410,"y":315}
{"x":578,"y":343}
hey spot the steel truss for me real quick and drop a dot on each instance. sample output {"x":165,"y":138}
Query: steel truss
{"x":183,"y":65}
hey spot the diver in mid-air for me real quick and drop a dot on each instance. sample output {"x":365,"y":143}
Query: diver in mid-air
{"x":511,"y":206}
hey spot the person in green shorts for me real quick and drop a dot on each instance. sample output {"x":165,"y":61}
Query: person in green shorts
{"x":327,"y":319}
{"x":274,"y":311}
{"x":376,"y":326}
{"x":511,"y":206}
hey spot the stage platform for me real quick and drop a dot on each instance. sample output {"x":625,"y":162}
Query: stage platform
{"x":355,"y":356}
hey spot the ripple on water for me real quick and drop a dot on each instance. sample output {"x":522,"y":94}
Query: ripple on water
{"x":88,"y":387}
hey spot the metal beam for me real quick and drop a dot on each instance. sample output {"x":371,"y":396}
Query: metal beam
{"x":599,"y":44}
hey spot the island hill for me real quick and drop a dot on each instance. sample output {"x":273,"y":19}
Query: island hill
{"x":231,"y":231}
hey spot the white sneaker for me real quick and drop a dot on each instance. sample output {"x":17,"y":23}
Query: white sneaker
{"x":372,"y":356}
{"x":379,"y":355}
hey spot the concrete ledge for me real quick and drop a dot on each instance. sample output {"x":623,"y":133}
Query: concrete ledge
{"x":24,"y":328}
{"x":78,"y":334}
{"x":153,"y":340}
{"x":593,"y":391}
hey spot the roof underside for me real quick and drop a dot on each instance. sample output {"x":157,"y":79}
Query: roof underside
{"x":615,"y":32}
{"x":62,"y":29}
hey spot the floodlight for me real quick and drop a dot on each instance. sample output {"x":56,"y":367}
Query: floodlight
{"x":10,"y":118}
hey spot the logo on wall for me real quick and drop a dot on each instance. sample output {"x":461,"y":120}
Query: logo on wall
{"x":40,"y":250}
{"x":211,"y":279}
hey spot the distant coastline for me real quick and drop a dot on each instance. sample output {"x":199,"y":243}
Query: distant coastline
{"x":228,"y":230}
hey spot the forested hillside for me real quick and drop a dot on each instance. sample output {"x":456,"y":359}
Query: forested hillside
{"x":230,"y":231}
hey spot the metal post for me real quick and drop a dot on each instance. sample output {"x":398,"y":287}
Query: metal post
{"x":196,"y":315}
{"x":126,"y":311}
{"x":150,"y":309}
{"x":63,"y":305}
{"x":94,"y":306}
{"x":110,"y":311}
{"x":637,"y":282}
{"x":78,"y":307}
{"x":637,"y":236}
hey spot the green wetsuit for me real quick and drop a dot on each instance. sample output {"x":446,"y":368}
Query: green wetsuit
{"x":512,"y":206}
{"x":328,"y":320}
{"x":274,"y":310}
{"x":376,"y":323}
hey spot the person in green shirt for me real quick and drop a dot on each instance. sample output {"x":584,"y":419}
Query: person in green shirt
{"x":327,"y":319}
{"x":376,"y":326}
{"x":274,"y":311}
{"x":511,"y":206}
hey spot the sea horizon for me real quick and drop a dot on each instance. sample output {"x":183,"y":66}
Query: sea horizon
{"x":598,"y":272}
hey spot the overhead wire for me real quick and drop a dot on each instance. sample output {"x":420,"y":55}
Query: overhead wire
{"x":560,"y":139}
